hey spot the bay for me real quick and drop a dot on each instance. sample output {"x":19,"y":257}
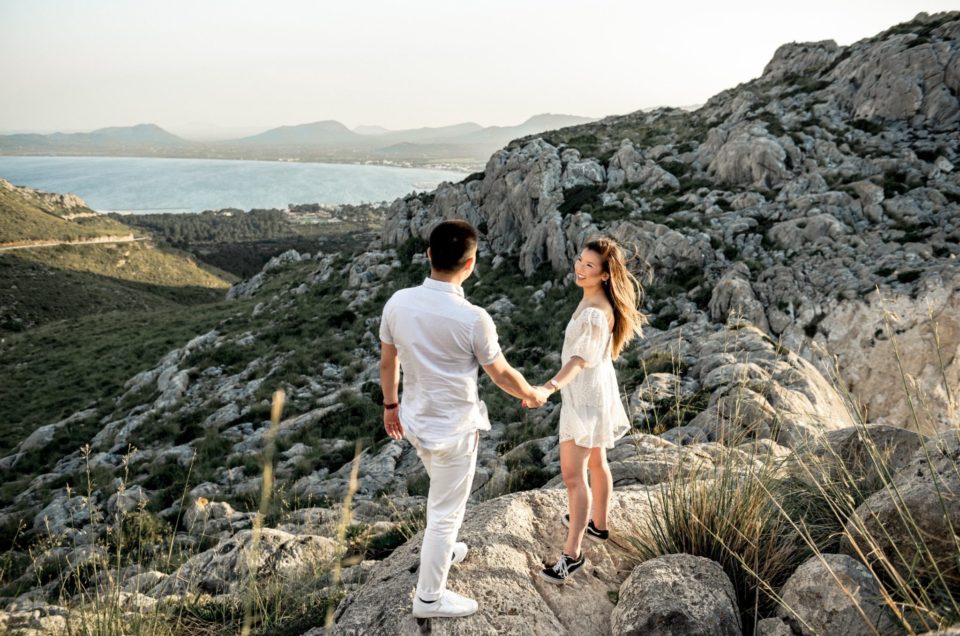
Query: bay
{"x":145,"y":185}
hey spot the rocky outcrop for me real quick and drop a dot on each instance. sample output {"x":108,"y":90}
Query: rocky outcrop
{"x":227,"y":567}
{"x":904,"y":76}
{"x":912,"y":522}
{"x":894,"y":347}
{"x":677,"y":594}
{"x":745,"y":155}
{"x":513,"y":532}
{"x":835,"y":594}
{"x":758,"y":391}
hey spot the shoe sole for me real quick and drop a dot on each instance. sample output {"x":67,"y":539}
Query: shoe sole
{"x":586,"y":533}
{"x":441,"y":615}
{"x":550,"y":579}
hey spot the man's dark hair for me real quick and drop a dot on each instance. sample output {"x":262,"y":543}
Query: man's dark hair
{"x":450,"y":245}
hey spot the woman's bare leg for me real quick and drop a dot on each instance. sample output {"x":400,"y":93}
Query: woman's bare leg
{"x":573,"y":467}
{"x":601,"y":486}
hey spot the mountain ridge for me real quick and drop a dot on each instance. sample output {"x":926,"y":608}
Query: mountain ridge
{"x":330,"y":138}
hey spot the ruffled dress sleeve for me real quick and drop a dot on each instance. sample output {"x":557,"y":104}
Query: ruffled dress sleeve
{"x":589,"y":337}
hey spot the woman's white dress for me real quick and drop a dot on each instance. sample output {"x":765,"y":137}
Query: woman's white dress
{"x":591,"y":412}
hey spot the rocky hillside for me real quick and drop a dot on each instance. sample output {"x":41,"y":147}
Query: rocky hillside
{"x":818,"y":200}
{"x":797,"y":237}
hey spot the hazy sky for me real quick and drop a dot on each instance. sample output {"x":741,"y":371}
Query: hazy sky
{"x":188,"y":65}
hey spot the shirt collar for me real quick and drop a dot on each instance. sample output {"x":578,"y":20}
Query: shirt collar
{"x":439,"y":285}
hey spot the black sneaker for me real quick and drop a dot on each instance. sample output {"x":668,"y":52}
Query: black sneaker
{"x":563,"y":569}
{"x":592,"y":533}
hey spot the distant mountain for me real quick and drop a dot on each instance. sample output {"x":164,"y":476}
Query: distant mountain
{"x":467,"y":143}
{"x":371,"y":130}
{"x":318,"y":133}
{"x":141,"y":135}
{"x":433,"y":135}
{"x":501,"y":135}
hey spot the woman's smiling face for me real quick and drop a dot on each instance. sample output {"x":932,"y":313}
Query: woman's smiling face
{"x":588,"y":269}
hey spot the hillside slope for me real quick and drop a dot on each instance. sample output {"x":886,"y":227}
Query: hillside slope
{"x":52,"y":282}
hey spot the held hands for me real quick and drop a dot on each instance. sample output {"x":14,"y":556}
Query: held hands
{"x":542,"y":394}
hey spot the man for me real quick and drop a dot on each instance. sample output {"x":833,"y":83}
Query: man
{"x":439,"y":340}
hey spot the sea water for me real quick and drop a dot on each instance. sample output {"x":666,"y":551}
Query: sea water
{"x":144,"y":185}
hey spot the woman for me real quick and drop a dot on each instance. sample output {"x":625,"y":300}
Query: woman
{"x":592,"y":416}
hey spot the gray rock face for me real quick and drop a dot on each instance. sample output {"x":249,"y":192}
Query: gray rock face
{"x":677,"y":594}
{"x":905,"y":77}
{"x":773,"y":627}
{"x":734,"y":297}
{"x":836,"y":595}
{"x":859,"y":334}
{"x":800,"y":59}
{"x":926,"y":491}
{"x":39,"y":620}
{"x":247,"y":288}
{"x":757,"y":391}
{"x":870,"y":452}
{"x":226,"y":567}
{"x":745,"y":155}
{"x":629,"y":167}
{"x":513,"y":532}
{"x":577,"y":172}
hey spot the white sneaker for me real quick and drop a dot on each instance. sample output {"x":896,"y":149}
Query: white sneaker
{"x":459,"y":552}
{"x":450,"y":605}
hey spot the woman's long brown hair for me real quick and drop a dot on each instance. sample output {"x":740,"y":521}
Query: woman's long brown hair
{"x":623,"y":291}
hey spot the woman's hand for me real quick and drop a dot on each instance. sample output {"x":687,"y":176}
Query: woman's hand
{"x":542,"y":393}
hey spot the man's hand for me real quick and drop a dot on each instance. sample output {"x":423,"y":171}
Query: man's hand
{"x":542,"y":395}
{"x":391,"y":423}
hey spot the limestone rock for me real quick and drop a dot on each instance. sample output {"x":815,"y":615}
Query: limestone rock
{"x":800,"y":59}
{"x":677,"y":594}
{"x":759,"y":390}
{"x":926,"y":491}
{"x":858,"y":333}
{"x":226,"y":567}
{"x":628,"y":167}
{"x":745,"y":155}
{"x":904,"y":77}
{"x":823,"y":597}
{"x":733,"y":296}
{"x":507,"y":536}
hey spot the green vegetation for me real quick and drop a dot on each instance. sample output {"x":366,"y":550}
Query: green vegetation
{"x":45,"y":284}
{"x":55,"y":370}
{"x":29,"y":217}
{"x":242,"y":242}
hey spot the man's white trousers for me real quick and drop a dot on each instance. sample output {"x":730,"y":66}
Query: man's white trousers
{"x":451,"y":470}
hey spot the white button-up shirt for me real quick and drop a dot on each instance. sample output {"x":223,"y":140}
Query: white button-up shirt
{"x":442,"y":340}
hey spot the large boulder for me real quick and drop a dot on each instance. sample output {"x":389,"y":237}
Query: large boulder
{"x":677,"y":594}
{"x":733,"y":296}
{"x":913,"y":521}
{"x":885,"y":337}
{"x":510,"y":538}
{"x":834,"y":594}
{"x":800,"y":59}
{"x":906,"y":75}
{"x":227,"y":567}
{"x":760,"y":390}
{"x":628,"y":167}
{"x":745,"y":155}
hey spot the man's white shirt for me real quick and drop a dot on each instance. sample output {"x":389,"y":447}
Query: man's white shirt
{"x":442,"y":340}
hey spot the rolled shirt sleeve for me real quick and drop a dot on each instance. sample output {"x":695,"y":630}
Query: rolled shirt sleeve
{"x":486,"y":345}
